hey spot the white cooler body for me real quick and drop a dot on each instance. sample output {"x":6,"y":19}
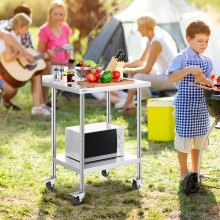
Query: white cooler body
{"x":102,"y":141}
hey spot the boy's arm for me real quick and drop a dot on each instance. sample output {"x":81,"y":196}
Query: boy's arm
{"x":180,"y":74}
{"x":194,"y":70}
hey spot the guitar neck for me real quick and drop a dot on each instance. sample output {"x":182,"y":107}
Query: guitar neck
{"x":40,"y":56}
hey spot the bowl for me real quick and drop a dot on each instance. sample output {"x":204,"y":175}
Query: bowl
{"x":83,"y":71}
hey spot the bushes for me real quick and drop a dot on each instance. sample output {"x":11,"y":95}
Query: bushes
{"x":39,"y":9}
{"x":83,"y":15}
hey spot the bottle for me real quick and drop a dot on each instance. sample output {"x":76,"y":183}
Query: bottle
{"x":54,"y":71}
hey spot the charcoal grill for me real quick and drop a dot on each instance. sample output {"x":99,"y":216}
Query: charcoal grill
{"x":213,"y":102}
{"x":212,"y":96}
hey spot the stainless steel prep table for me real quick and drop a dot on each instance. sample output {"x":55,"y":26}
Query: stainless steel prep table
{"x":81,"y":167}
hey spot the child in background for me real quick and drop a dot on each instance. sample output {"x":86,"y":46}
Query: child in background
{"x":191,"y":114}
{"x":20,"y":27}
{"x":6,"y":38}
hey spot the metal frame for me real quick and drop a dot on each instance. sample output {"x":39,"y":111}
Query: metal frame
{"x":214,"y":124}
{"x":81,"y":167}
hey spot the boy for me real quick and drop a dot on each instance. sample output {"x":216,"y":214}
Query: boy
{"x":191,"y":114}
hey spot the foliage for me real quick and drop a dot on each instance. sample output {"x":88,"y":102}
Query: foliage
{"x":86,"y":17}
{"x":204,"y":3}
{"x":83,"y":16}
{"x":39,"y":9}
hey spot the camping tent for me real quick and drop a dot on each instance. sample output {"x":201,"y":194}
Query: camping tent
{"x":172,"y":17}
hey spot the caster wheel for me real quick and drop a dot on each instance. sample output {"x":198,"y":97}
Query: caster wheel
{"x":105,"y":173}
{"x":135,"y":185}
{"x":190,"y":183}
{"x":49,"y":185}
{"x":77,"y":201}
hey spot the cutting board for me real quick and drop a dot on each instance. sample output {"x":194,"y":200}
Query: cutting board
{"x":87,"y":84}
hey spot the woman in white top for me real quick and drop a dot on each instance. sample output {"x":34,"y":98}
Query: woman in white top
{"x":153,"y":63}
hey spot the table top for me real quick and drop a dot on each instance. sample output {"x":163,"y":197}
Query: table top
{"x":48,"y":81}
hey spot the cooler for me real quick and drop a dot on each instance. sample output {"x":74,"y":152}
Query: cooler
{"x":161,"y":123}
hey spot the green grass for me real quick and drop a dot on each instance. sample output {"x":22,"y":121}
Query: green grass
{"x":25,"y":152}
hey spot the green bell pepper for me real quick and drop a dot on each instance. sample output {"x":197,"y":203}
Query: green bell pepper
{"x":106,"y":77}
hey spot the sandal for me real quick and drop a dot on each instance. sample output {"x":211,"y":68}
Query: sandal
{"x":11,"y":106}
{"x":49,"y":105}
{"x":39,"y":110}
{"x":46,"y":107}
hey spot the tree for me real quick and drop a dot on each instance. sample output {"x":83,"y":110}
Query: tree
{"x":84,"y":15}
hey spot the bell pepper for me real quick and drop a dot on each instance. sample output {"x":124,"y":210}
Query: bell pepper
{"x":106,"y":77}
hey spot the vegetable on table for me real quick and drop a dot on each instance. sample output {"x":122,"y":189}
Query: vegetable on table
{"x":116,"y":74}
{"x":106,"y":77}
{"x":218,"y":79}
{"x":91,"y":78}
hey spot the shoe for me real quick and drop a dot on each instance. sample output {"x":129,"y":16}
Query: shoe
{"x":46,"y":107}
{"x":12,"y":106}
{"x":39,"y":110}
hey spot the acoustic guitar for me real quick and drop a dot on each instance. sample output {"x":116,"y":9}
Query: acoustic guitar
{"x":18,"y":71}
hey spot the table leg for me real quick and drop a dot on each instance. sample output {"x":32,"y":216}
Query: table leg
{"x":50,"y":181}
{"x":139,"y":131}
{"x":53,"y":129}
{"x":137,"y":181}
{"x":82,"y":142}
{"x":108,"y":107}
{"x":203,"y":144}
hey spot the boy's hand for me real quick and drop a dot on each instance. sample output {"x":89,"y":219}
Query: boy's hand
{"x":199,"y":75}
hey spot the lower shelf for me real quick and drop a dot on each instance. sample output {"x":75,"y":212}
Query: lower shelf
{"x":97,"y":165}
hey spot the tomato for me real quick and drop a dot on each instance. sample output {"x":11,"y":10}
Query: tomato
{"x":218,"y":79}
{"x":116,"y":74}
{"x":81,"y":63}
{"x":212,"y":76}
{"x":91,"y":78}
{"x":97,"y":75}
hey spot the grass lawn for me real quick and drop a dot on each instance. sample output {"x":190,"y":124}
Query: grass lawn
{"x":25,"y":152}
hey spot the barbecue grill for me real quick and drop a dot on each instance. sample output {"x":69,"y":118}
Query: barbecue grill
{"x":192,"y":180}
{"x":213,"y":102}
